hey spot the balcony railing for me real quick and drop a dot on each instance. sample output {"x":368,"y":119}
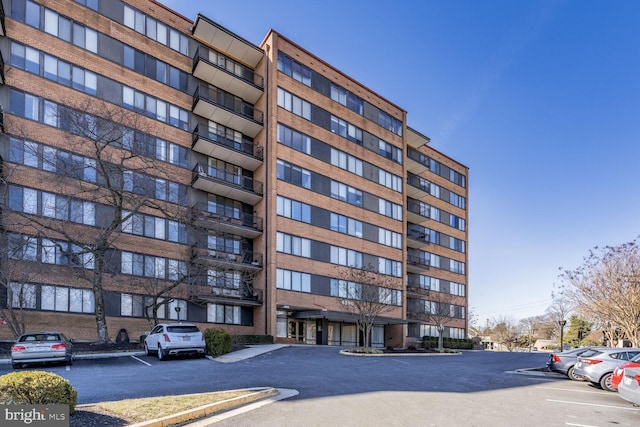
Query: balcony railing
{"x":229,"y":102}
{"x":418,"y":182}
{"x":228,"y":65}
{"x":233,"y":186}
{"x":244,"y":153}
{"x":417,"y":263}
{"x":245,"y":261}
{"x":242,"y":224}
{"x":245,"y":296}
{"x":418,"y":234}
{"x":418,"y":162}
{"x":415,"y":207}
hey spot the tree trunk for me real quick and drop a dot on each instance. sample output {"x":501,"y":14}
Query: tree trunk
{"x":98,"y":296}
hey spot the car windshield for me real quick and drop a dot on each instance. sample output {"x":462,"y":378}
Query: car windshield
{"x":40,"y":337}
{"x":182,"y":329}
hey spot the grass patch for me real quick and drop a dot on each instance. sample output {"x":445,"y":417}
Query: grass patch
{"x":149,"y":408}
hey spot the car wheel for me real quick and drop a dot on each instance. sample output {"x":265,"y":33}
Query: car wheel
{"x":161,"y":353}
{"x":572,"y":375}
{"x":605,"y":382}
{"x":16,"y":365}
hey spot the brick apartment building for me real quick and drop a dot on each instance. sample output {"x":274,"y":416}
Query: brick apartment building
{"x":177,"y":166}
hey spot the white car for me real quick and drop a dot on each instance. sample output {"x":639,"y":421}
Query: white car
{"x":629,"y":387}
{"x":172,"y":339}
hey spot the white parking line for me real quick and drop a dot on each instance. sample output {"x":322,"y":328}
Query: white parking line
{"x":140,"y":360}
{"x":593,"y":404}
{"x":573,"y":390}
{"x":579,"y":425}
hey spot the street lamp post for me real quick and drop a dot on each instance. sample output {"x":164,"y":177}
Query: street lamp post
{"x":561,"y":323}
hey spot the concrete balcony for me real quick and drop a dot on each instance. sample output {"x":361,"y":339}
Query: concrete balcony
{"x":215,"y":68}
{"x":417,"y":187}
{"x":417,"y":236}
{"x":225,"y":41}
{"x":415,"y":212}
{"x":223,"y":107}
{"x":246,"y":154}
{"x":417,"y":162}
{"x":248,"y":297}
{"x":244,"y":225}
{"x":223,"y":183}
{"x":417,"y":263}
{"x":247,"y":261}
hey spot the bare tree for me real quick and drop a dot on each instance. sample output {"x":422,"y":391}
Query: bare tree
{"x":607,"y":287}
{"x":439,"y":310}
{"x":506,"y":332}
{"x":560,"y":309}
{"x":14,"y":276}
{"x":531,"y":325}
{"x":106,"y":180}
{"x":367,"y":295}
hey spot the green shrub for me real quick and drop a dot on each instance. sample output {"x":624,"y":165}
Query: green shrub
{"x":218,"y":341}
{"x":253,"y":339}
{"x":38,"y":388}
{"x":142,"y":338}
{"x":457,"y":343}
{"x":365,"y":350}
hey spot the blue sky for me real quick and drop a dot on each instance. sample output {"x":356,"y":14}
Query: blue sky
{"x":540,"y":99}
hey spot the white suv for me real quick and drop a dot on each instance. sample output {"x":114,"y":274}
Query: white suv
{"x":173,"y":339}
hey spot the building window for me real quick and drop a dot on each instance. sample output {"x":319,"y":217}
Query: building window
{"x":293,"y":280}
{"x":22,"y":295}
{"x":346,"y":257}
{"x":293,"y":209}
{"x":294,"y":104}
{"x":293,"y":245}
{"x":58,"y":298}
{"x":293,"y":174}
{"x":294,"y":139}
{"x":227,"y":314}
{"x":346,"y":161}
{"x":155,"y":30}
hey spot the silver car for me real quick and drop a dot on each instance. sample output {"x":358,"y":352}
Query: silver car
{"x":175,"y":339}
{"x":597,"y":364}
{"x":39,"y":347}
{"x":565,"y":361}
{"x":629,"y":387}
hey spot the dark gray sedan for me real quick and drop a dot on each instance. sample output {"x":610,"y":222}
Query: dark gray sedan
{"x":40,"y":347}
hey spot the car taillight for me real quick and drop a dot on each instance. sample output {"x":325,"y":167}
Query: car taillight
{"x":166,"y":338}
{"x":556,"y":358}
{"x":591,"y":361}
{"x":59,"y":346}
{"x":637,"y":378}
{"x":18,"y":348}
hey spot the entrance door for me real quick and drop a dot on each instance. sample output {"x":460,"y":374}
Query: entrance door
{"x":296,"y":330}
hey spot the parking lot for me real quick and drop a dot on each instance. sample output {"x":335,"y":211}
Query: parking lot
{"x":472,"y":389}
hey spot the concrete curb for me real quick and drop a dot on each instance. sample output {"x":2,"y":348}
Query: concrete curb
{"x":257,"y":394}
{"x":537,"y":372}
